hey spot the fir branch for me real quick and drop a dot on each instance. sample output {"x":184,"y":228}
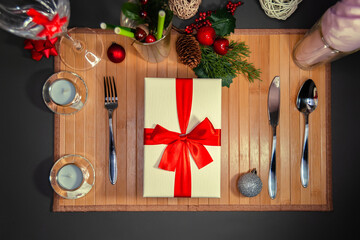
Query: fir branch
{"x":237,"y":57}
{"x":227,"y":66}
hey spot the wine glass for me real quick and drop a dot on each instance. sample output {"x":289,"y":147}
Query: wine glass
{"x":46,"y":19}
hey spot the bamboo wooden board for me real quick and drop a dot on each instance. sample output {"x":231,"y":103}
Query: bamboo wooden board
{"x":246,"y":133}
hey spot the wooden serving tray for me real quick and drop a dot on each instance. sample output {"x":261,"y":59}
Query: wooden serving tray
{"x":246,"y":133}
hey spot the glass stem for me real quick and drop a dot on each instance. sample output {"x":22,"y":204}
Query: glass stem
{"x":75,"y":43}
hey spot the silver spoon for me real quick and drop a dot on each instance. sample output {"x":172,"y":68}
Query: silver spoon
{"x":306,"y":102}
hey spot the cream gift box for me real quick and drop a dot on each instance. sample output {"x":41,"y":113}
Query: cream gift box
{"x":198,"y":101}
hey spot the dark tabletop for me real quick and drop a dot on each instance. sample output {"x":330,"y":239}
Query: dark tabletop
{"x":27,"y":151}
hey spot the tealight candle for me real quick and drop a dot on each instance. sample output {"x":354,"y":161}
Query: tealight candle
{"x":70,"y":177}
{"x":62,"y":91}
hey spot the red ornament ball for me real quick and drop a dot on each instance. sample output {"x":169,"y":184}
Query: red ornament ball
{"x":140,"y":34}
{"x":143,"y":14}
{"x":150,"y":38}
{"x":206,"y":35}
{"x":143,"y":2}
{"x":116,"y":53}
{"x":221,"y":46}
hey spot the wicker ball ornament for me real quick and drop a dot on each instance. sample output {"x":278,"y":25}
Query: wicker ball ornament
{"x":184,"y":9}
{"x":279,"y":9}
{"x":188,"y":50}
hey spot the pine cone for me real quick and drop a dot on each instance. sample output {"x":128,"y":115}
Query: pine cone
{"x":188,"y":50}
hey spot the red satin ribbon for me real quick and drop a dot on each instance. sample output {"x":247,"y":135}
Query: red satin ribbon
{"x":51,"y":27}
{"x":176,"y":155}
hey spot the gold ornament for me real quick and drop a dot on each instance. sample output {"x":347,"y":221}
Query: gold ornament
{"x":184,"y":9}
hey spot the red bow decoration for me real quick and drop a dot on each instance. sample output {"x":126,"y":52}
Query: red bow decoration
{"x":40,"y":48}
{"x":51,"y":27}
{"x":176,"y":155}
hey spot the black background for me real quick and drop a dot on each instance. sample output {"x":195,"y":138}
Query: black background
{"x":26,"y":154}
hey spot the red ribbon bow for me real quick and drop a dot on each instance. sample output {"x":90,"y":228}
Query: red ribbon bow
{"x":176,"y":155}
{"x":51,"y":27}
{"x":40,"y":48}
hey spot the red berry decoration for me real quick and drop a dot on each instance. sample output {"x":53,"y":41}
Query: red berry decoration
{"x":231,"y":7}
{"x":150,"y":38}
{"x":201,"y":21}
{"x":140,"y":34}
{"x":221,"y":46}
{"x":206,"y":35}
{"x":143,"y":14}
{"x":143,"y":2}
{"x":116,"y":53}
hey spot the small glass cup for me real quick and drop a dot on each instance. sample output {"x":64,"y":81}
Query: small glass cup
{"x":65,"y":92}
{"x":154,"y":52}
{"x":313,"y":50}
{"x":85,"y":169}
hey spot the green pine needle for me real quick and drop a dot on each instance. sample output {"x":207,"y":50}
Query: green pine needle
{"x":227,"y":66}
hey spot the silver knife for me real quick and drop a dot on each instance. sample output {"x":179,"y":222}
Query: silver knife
{"x":273,"y":109}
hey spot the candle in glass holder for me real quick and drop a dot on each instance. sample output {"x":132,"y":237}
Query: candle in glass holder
{"x":70,"y":177}
{"x":62,"y":92}
{"x":335,"y":35}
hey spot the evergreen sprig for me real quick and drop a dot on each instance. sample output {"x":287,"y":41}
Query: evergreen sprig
{"x":227,"y":66}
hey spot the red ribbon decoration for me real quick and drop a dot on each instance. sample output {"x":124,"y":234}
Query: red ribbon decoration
{"x":176,"y":155}
{"x":40,"y":48}
{"x":51,"y":27}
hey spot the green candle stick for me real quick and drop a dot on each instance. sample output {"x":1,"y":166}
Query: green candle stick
{"x":124,"y":32}
{"x":112,"y":27}
{"x":107,"y":26}
{"x":160,"y":27}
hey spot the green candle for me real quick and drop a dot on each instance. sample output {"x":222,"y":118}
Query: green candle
{"x":112,"y":26}
{"x":124,"y":32}
{"x":160,"y":27}
{"x":107,"y":26}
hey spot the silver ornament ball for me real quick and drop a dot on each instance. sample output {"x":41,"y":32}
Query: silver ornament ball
{"x":250,"y":184}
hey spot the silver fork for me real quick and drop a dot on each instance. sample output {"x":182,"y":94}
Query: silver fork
{"x":111,"y":103}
